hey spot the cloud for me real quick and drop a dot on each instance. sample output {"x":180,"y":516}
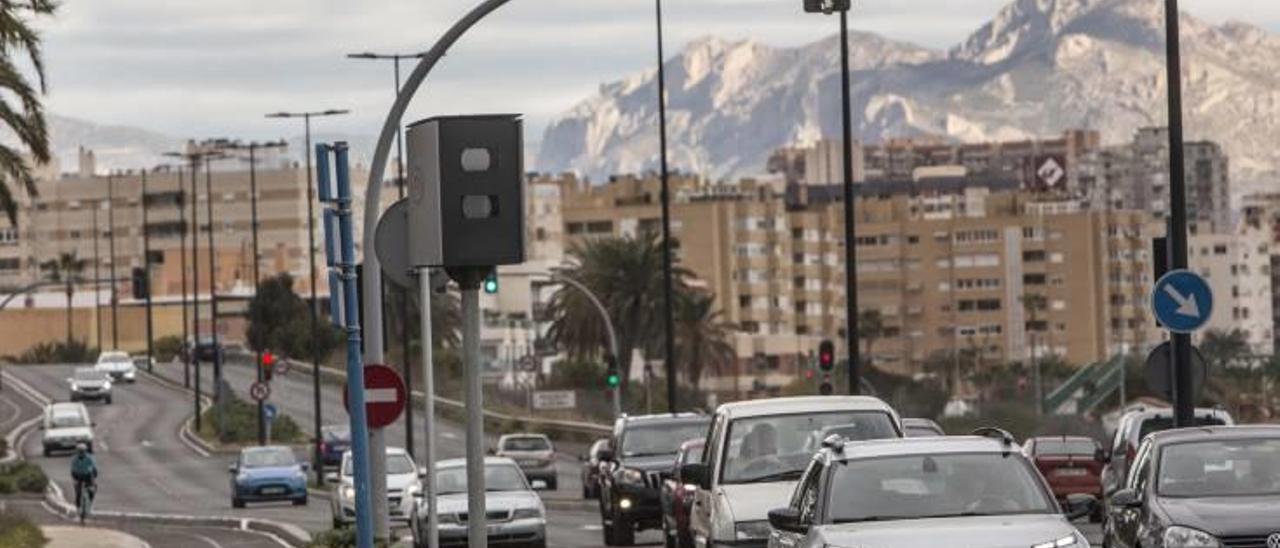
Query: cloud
{"x":213,"y":68}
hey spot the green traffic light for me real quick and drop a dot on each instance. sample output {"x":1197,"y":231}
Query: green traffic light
{"x":491,"y":284}
{"x":613,"y":380}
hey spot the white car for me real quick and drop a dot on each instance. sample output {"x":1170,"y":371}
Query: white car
{"x":514,"y":513}
{"x":118,"y":365}
{"x":757,"y":451}
{"x":65,"y":426}
{"x":404,"y":483}
{"x":975,"y":492}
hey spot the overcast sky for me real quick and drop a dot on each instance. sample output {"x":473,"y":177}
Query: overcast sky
{"x":197,"y":69}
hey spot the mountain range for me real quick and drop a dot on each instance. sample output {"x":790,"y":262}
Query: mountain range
{"x":1038,"y":68}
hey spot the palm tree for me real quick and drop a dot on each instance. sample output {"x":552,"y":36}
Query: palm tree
{"x":26,"y":119}
{"x":870,"y":329}
{"x":702,"y":335}
{"x":68,"y":269}
{"x":626,"y":275}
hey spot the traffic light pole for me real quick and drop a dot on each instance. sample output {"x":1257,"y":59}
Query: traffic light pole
{"x":146,"y":273}
{"x":429,"y":405}
{"x":469,"y":280}
{"x":608,"y":328}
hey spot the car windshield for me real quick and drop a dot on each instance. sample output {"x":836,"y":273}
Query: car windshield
{"x":1220,"y":468}
{"x":526,"y":443}
{"x":396,"y":465}
{"x":497,"y":477}
{"x":932,"y":486}
{"x":920,"y":431}
{"x":1076,"y":447}
{"x":267,"y":458}
{"x":778,"y":447}
{"x":89,"y":375}
{"x":1160,"y":424}
{"x":660,"y":439}
{"x":336,"y":433}
{"x":67,"y":420}
{"x":115,"y":359}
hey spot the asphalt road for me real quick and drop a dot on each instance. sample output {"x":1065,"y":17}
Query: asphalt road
{"x":156,"y":535}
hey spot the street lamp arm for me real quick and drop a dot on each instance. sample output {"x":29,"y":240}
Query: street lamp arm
{"x":373,"y":268}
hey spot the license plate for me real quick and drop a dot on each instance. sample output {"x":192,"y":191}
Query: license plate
{"x":1071,"y":472}
{"x":273,"y":491}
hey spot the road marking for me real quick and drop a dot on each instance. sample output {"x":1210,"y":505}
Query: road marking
{"x":146,"y":443}
{"x":17,"y":412}
{"x":207,"y":540}
{"x":380,"y":395}
{"x":449,"y":435}
{"x":591,"y":528}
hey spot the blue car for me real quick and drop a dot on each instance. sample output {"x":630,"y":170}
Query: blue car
{"x":263,"y":474}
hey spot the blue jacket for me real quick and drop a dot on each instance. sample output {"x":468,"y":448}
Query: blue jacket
{"x":83,"y":467}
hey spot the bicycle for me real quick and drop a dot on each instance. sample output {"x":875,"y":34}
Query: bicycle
{"x":88,"y":490}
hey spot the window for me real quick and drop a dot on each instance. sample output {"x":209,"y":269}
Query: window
{"x":978,"y":284}
{"x":1034,"y":279}
{"x":1220,"y":249}
{"x":600,"y":227}
{"x":9,"y":236}
{"x":1035,"y":256}
{"x":977,"y":236}
{"x":744,"y":301}
{"x":10,"y":264}
{"x":575,"y":228}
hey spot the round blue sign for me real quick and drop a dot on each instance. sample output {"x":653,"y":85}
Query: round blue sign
{"x":269,"y":412}
{"x":1182,"y":301}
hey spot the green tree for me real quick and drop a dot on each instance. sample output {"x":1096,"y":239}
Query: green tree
{"x":1224,"y":349}
{"x":68,"y":269}
{"x":702,"y":336}
{"x":23,"y":112}
{"x":280,"y":321}
{"x":626,"y":275}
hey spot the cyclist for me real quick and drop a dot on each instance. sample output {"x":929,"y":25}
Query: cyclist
{"x":84,"y":471}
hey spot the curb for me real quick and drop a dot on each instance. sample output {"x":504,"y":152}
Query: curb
{"x":20,"y":431}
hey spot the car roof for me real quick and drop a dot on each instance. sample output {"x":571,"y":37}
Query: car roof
{"x":523,"y":435}
{"x":63,"y":407}
{"x":803,"y":404}
{"x":113,"y":354}
{"x":266,"y":449}
{"x":1153,"y":412}
{"x":1061,"y":438}
{"x":1206,"y":433}
{"x":488,"y":461}
{"x":663,"y":417}
{"x":951,"y":445}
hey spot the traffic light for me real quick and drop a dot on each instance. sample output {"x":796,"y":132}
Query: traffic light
{"x":826,"y":364}
{"x":491,"y":283}
{"x":141,"y":285}
{"x":268,"y":364}
{"x":611,"y":377}
{"x":827,"y":6}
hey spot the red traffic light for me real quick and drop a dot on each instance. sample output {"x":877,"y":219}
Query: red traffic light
{"x":268,"y":359}
{"x":826,"y":356}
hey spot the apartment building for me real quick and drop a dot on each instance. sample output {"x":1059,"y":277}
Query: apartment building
{"x":948,"y":263}
{"x":1238,"y":268}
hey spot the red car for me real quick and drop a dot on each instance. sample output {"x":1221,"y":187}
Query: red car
{"x":677,"y":498}
{"x":1070,"y":464}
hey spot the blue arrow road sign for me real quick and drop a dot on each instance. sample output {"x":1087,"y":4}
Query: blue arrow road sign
{"x":269,"y":412}
{"x":1182,"y":301}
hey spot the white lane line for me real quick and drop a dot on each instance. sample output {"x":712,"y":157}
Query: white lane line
{"x":207,"y":540}
{"x":17,"y":412}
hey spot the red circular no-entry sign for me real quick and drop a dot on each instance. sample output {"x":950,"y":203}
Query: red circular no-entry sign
{"x":384,"y":396}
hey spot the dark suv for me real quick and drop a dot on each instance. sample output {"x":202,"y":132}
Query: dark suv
{"x":639,"y":457}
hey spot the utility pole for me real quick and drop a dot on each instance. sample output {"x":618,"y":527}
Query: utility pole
{"x":111,"y":249}
{"x":317,"y":458}
{"x":1183,"y":389}
{"x":146,"y":268}
{"x":97,"y":278}
{"x":669,"y":337}
{"x":182,"y":251}
{"x":218,"y":392}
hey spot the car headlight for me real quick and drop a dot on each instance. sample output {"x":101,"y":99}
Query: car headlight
{"x":1073,"y":541}
{"x":348,"y":492}
{"x":527,"y":513}
{"x":75,"y":387}
{"x":631,"y":476}
{"x":1186,"y":537}
{"x":748,"y":530}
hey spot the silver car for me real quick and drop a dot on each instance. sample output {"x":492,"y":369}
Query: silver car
{"x":976,"y":492}
{"x":515,"y":514}
{"x":66,"y":425}
{"x":403,"y":486}
{"x":88,"y":383}
{"x":534,"y":454}
{"x":119,"y":365}
{"x":757,"y":451}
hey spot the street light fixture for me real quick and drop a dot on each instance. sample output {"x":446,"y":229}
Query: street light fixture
{"x":311,"y":258}
{"x":850,"y":249}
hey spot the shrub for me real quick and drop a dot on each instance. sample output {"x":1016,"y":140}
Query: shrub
{"x":167,"y":347}
{"x":339,"y":538}
{"x":59,"y":352}
{"x":242,"y":423}
{"x":17,"y":531}
{"x":22,"y":477}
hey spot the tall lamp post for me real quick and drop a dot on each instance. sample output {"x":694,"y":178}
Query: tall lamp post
{"x":311,"y":257}
{"x":146,"y":271}
{"x":669,"y":339}
{"x":1183,"y":382}
{"x":395,"y":58}
{"x":111,"y":250}
{"x":850,"y":248}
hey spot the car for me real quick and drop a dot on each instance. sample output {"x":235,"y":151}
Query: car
{"x":1135,"y":425}
{"x":1071,"y":465}
{"x":1214,"y":486}
{"x":119,"y":365}
{"x":677,"y":497}
{"x":590,"y":473}
{"x":755,"y":453}
{"x":534,"y":454}
{"x":515,"y":514}
{"x":144,"y":361}
{"x":970,"y":491}
{"x":65,"y":426}
{"x":921,"y":428}
{"x":640,"y":452}
{"x":334,"y":441}
{"x":268,"y":473}
{"x":206,"y":348}
{"x":404,"y":482}
{"x":88,"y":383}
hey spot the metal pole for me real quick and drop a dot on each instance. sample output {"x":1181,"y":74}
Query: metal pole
{"x":477,"y":529}
{"x":195,"y":282}
{"x":1183,"y":392}
{"x":146,"y":272}
{"x":111,"y":248}
{"x":218,"y":395}
{"x":608,"y":327}
{"x":182,"y":250}
{"x":850,"y":240}
{"x":263,"y":427}
{"x":667,"y":289}
{"x":97,"y":278}
{"x":429,"y":405}
{"x":404,"y":303}
{"x":315,"y":322}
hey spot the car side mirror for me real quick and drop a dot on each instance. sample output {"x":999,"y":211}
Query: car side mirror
{"x":1102,"y":456}
{"x":787,"y":519}
{"x":306,"y":467}
{"x":605,"y":455}
{"x":491,"y":451}
{"x":331,"y":477}
{"x":1126,"y":498}
{"x":1080,"y":505}
{"x":695,"y":473}
{"x":233,"y":468}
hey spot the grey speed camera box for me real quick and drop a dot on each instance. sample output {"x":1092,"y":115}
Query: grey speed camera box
{"x":466,"y":191}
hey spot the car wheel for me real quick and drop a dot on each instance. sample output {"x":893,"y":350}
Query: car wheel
{"x":551,"y":484}
{"x":300,"y":502}
{"x":48,"y":452}
{"x":1097,"y":515}
{"x":108,"y":401}
{"x":668,"y":539}
{"x":237,"y":503}
{"x":337,"y":523}
{"x":684,"y":540}
{"x":624,"y":534}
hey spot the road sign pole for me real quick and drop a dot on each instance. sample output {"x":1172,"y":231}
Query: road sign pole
{"x":1183,"y":392}
{"x":469,"y":280}
{"x":429,"y":405}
